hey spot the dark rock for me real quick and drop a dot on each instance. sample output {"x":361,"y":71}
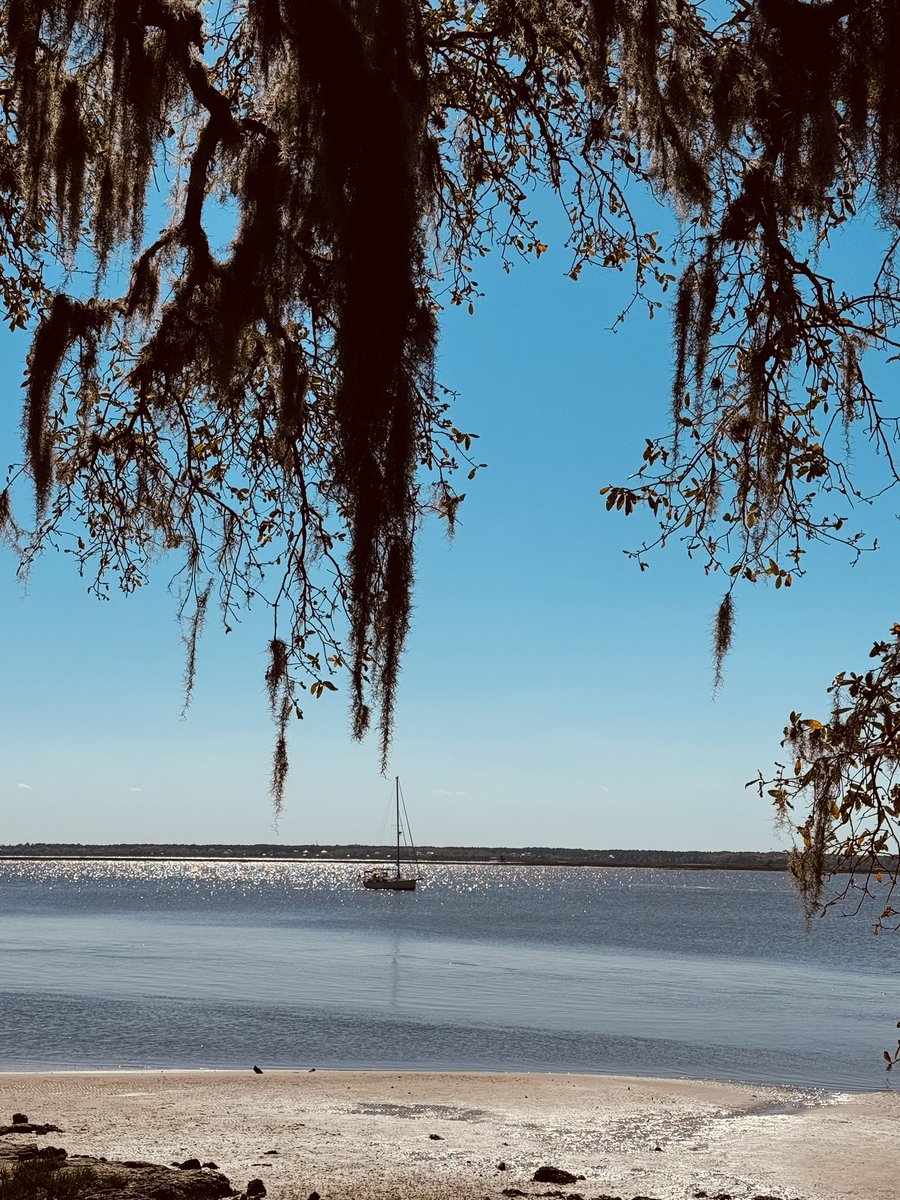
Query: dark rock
{"x":501,"y":1165}
{"x":554,"y":1175}
{"x":210,"y":1166}
{"x":270,"y":1151}
{"x":257,"y":1070}
{"x":52,"y":1152}
{"x":314,"y":1196}
{"x":189,"y":1164}
{"x":657,"y":1147}
{"x":311,"y":1069}
{"x":435,"y":1137}
{"x":513,"y":1192}
{"x":256,"y":1187}
{"x":19,"y":1119}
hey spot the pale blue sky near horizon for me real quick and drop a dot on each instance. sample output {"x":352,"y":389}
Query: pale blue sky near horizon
{"x":551,"y":693}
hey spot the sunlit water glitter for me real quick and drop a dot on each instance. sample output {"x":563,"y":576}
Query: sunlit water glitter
{"x":223,"y":964}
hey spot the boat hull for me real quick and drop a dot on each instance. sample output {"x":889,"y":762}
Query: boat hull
{"x":388,"y":883}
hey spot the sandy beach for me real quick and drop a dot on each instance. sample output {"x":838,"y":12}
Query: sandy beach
{"x":349,"y":1135}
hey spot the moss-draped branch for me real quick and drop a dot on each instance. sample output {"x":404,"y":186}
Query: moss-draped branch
{"x":250,"y":384}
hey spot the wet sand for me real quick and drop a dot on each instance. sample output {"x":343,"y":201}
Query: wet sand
{"x":423,"y":1136}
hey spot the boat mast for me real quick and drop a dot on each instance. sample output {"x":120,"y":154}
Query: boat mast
{"x":397,"y":793}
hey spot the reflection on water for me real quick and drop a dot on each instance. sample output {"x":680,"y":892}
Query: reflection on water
{"x":193,"y":963}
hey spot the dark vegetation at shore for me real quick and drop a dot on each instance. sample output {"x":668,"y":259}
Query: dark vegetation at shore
{"x":42,"y":1179}
{"x":29,"y":1172}
{"x":728,"y":860}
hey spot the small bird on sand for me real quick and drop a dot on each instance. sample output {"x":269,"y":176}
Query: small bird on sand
{"x":258,"y":1070}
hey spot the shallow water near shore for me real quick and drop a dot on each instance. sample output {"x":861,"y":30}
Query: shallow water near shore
{"x":703,"y":974}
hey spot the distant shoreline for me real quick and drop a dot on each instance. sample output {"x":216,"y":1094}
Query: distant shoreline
{"x":530,"y":856}
{"x":488,"y":856}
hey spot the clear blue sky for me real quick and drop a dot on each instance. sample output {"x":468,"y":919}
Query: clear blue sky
{"x":552,"y":694}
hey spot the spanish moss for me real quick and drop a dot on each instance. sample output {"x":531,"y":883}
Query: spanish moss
{"x":263,"y":415}
{"x":723,"y":635}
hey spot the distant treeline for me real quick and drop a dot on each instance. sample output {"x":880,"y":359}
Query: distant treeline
{"x":729,"y":860}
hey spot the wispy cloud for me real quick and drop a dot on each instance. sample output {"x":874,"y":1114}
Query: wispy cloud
{"x":135,"y":789}
{"x":446,"y":792}
{"x":26,"y":787}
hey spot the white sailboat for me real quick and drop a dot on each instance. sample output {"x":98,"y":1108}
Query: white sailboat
{"x":397,"y":878}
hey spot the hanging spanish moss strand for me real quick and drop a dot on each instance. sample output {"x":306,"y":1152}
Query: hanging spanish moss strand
{"x":370,"y":125}
{"x":723,"y":635}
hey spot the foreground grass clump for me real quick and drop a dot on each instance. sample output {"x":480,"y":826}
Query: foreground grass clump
{"x":38,"y":1179}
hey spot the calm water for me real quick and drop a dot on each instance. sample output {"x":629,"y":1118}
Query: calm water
{"x":707,"y":974}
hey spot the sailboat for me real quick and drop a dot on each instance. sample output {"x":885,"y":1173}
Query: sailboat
{"x":394,"y":879}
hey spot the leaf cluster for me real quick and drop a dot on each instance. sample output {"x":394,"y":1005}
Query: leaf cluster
{"x":844,"y":779}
